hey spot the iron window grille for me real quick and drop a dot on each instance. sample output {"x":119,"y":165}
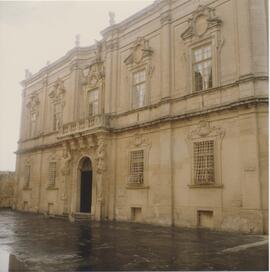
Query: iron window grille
{"x":136,"y":171}
{"x":52,"y":173}
{"x":204,"y":162}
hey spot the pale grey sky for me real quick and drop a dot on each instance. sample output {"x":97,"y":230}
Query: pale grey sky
{"x":31,"y":33}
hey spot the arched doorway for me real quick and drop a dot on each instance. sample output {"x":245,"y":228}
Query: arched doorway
{"x":86,"y":186}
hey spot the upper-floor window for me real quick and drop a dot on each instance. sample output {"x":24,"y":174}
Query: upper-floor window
{"x":27,"y":175}
{"x":202,"y":67}
{"x":139,"y":89}
{"x":56,"y":116}
{"x":136,"y":167}
{"x":204,"y":162}
{"x":52,"y":173}
{"x":93,"y":102}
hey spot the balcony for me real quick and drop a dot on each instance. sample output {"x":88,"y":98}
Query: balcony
{"x":84,"y":125}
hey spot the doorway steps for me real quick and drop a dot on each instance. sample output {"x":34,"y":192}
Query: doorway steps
{"x":78,"y":216}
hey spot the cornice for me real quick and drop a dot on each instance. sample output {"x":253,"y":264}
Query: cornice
{"x":76,"y":51}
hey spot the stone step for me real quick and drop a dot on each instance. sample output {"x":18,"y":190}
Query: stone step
{"x":82,"y":216}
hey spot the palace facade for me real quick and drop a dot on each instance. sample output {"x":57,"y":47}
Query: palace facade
{"x":163,"y":121}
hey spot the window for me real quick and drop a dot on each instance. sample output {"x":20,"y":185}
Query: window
{"x":204,"y":162}
{"x":136,"y":167}
{"x":202,"y":68}
{"x":139,"y":88}
{"x":27,"y":173}
{"x":52,"y":173}
{"x":56,"y":116}
{"x":93,"y":102}
{"x":33,"y":122}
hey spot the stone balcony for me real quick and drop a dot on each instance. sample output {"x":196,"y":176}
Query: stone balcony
{"x":84,"y":126}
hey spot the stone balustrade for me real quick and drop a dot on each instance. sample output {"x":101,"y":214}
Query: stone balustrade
{"x":98,"y":121}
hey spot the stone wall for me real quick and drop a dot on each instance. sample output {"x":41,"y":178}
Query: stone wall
{"x":7,"y":182}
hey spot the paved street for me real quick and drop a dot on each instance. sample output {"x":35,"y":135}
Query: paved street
{"x":37,"y":243}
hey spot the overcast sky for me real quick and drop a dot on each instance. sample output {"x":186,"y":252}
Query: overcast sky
{"x":32,"y":33}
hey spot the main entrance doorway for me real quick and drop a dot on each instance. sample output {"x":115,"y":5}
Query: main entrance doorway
{"x":86,"y":186}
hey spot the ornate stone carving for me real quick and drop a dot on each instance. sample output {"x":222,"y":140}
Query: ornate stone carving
{"x":58,"y":91}
{"x":33,"y":103}
{"x":95,"y":72}
{"x":101,"y":166}
{"x":66,"y":160}
{"x":205,"y":130}
{"x":203,"y":18}
{"x":139,"y":140}
{"x":100,"y":156}
{"x":139,"y":51}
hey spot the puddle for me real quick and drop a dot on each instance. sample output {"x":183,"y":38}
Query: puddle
{"x":9,"y":262}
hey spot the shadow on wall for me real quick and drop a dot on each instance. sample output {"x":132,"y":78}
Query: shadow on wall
{"x":7,"y":182}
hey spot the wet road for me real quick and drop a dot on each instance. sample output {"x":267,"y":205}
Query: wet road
{"x":37,"y":243}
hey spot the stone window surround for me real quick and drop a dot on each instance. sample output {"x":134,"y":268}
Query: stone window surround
{"x":196,"y":36}
{"x":215,"y":67}
{"x":205,"y":132}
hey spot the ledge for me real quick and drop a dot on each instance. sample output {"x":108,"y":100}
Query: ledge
{"x":27,"y":189}
{"x":206,"y":186}
{"x":51,"y":188}
{"x":135,"y":186}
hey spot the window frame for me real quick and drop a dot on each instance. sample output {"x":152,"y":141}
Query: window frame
{"x":135,"y":84}
{"x":27,"y":176}
{"x":194,"y":63}
{"x":89,"y":91}
{"x":52,"y":183}
{"x":194,"y":181}
{"x":130,"y":174}
{"x":204,"y":131}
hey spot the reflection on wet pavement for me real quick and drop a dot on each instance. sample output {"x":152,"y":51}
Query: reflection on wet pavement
{"x":36,"y":243}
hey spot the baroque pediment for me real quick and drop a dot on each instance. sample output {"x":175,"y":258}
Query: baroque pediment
{"x":93,"y":74}
{"x":138,"y":51}
{"x":203,"y":18}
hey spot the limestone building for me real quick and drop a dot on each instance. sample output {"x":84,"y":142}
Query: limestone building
{"x":163,"y":121}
